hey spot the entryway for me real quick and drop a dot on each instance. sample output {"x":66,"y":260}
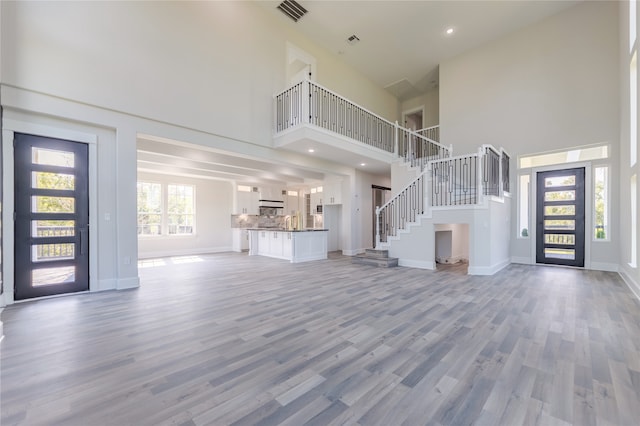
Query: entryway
{"x":51,"y":216}
{"x":560,"y":217}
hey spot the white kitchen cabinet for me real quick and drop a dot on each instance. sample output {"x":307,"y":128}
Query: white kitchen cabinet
{"x":294,"y":246}
{"x":316,"y":198}
{"x":240,"y":240}
{"x":287,"y":245}
{"x":333,"y":193}
{"x":247,"y":203}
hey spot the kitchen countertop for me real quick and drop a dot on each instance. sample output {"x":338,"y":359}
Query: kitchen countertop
{"x":286,"y":230}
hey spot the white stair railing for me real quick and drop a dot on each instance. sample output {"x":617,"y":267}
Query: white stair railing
{"x":448,"y":182}
{"x":418,"y":149}
{"x":432,"y":133}
{"x":402,"y":209}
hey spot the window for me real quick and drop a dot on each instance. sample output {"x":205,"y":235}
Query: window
{"x":166,"y":209}
{"x":149,"y":208}
{"x":523,"y":206}
{"x":634,"y":220}
{"x":561,"y":157}
{"x":633,"y":110}
{"x":601,"y":203}
{"x":180,"y":209}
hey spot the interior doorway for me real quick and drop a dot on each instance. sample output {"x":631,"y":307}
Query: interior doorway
{"x":413,"y":119}
{"x":380,"y":195}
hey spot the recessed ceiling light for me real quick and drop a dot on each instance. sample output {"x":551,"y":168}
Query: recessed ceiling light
{"x":311,"y":150}
{"x":363,"y":164}
{"x":449,"y":31}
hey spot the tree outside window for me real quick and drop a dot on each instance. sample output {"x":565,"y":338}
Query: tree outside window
{"x":180,"y":202}
{"x":149,"y":208}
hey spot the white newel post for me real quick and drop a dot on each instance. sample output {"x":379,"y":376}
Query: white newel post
{"x":377,"y":245}
{"x":480,"y":175}
{"x":395,"y":139}
{"x":450,"y":150}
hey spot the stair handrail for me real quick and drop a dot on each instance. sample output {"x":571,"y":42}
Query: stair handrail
{"x":411,"y":150}
{"x":393,"y":199}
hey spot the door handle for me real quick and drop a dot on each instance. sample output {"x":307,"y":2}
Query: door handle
{"x":83,"y":241}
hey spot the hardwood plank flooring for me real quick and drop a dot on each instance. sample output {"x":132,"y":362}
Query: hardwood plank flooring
{"x":229,"y":339}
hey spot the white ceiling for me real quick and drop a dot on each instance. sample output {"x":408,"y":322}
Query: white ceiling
{"x":402,"y":42}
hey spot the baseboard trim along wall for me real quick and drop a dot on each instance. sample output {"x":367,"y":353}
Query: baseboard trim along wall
{"x":630,"y":282}
{"x":127,"y":283}
{"x":420,"y":264}
{"x":488,"y":270}
{"x":183,"y":252}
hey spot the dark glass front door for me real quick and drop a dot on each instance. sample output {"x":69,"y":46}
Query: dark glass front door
{"x":51,"y":217}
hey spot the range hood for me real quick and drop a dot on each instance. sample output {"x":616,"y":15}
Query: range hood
{"x":272,"y":204}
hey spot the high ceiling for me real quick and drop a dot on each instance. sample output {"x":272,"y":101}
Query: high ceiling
{"x":402,"y":42}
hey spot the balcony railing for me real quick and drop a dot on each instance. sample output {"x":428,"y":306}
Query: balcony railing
{"x":310,"y":103}
{"x":418,"y":150}
{"x":432,"y":133}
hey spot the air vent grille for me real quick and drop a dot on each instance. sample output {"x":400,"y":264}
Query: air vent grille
{"x":292,"y":9}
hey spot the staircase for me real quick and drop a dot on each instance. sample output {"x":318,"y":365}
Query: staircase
{"x":464,"y":189}
{"x":373,"y":257}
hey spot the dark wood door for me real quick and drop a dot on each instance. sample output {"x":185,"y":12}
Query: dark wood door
{"x":51,"y":216}
{"x":560,"y":217}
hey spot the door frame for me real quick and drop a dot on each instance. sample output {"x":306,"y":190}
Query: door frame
{"x":411,"y":111}
{"x":9,"y":128}
{"x":588,"y":207}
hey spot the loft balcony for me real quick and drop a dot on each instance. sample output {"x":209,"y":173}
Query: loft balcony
{"x":308,"y":115}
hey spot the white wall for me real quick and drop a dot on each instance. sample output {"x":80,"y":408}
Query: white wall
{"x":430,"y":101}
{"x":549,"y":86}
{"x":361,"y":204}
{"x":213,"y":223}
{"x":211,"y":66}
{"x":630,"y":273}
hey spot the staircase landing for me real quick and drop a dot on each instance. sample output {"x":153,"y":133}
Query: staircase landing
{"x":374,"y":257}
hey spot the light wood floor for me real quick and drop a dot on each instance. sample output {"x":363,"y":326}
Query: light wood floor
{"x":231,"y":339}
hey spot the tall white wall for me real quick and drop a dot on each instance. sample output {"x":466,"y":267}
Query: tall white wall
{"x":430,"y":102}
{"x":211,"y":66}
{"x":213,"y":223}
{"x":549,"y":86}
{"x":629,"y":272}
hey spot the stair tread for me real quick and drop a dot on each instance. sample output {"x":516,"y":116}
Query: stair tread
{"x":364,"y":259}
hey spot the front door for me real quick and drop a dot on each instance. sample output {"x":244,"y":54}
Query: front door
{"x":51,"y":217}
{"x":560,"y":217}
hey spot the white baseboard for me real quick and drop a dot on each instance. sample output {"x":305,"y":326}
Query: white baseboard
{"x":631,"y":283}
{"x":487,"y":270}
{"x":183,"y":252}
{"x":108,"y":284}
{"x":352,"y":252}
{"x":521,"y":260}
{"x":127,"y":283}
{"x":420,"y":264}
{"x":604,"y":266}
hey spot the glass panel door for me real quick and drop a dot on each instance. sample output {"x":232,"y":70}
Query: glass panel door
{"x":52,"y":217}
{"x":560,"y":217}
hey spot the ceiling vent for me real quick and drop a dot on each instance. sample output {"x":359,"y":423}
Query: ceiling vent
{"x":353,"y":39}
{"x":292,"y":9}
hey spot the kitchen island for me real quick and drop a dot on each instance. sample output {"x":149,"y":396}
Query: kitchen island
{"x":292,"y":245}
